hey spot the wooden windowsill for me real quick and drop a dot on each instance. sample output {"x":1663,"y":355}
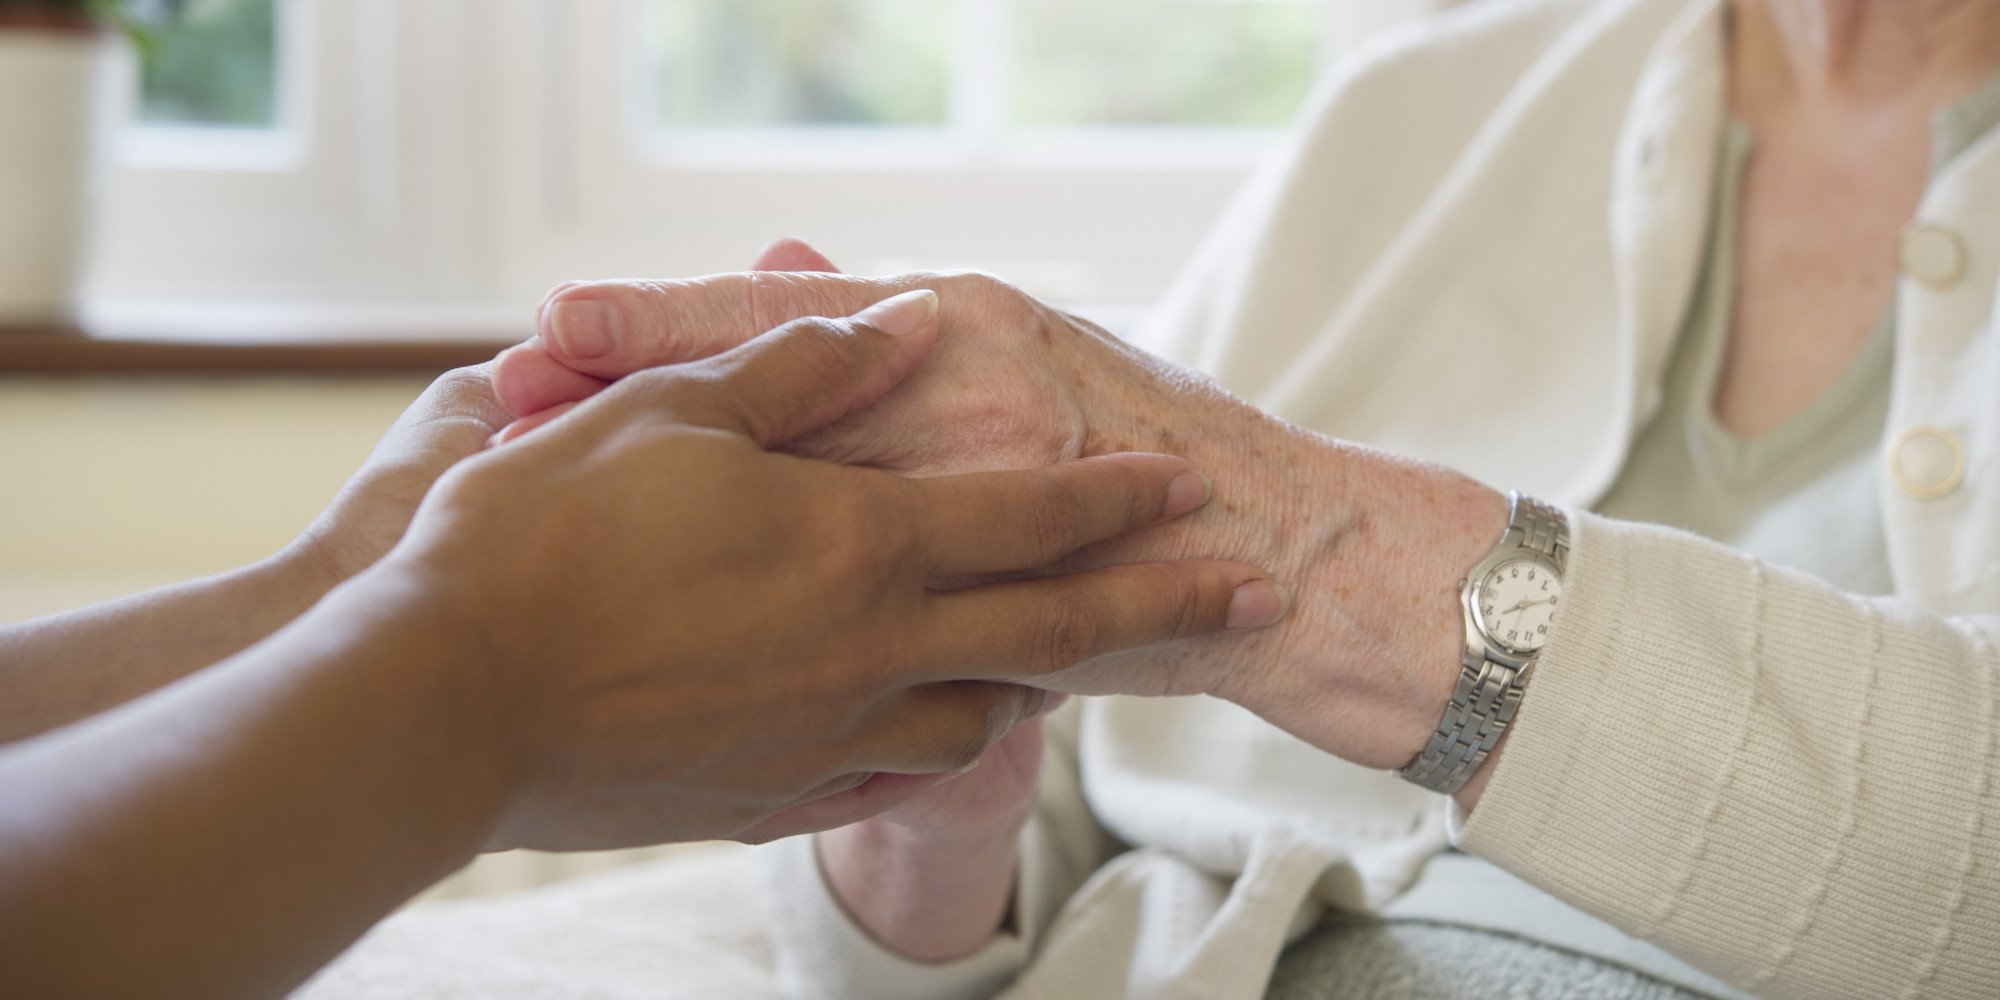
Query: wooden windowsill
{"x":50,"y":352}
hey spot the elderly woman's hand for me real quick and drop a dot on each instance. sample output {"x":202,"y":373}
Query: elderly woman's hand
{"x":646,"y":566}
{"x":1372,"y":545}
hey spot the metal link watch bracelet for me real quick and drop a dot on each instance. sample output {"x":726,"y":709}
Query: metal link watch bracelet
{"x":1510,"y":600}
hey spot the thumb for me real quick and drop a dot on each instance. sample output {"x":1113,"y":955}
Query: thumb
{"x":793,"y":254}
{"x":804,"y":375}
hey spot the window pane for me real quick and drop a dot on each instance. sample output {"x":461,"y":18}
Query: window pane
{"x":1243,"y":63}
{"x":215,"y":63}
{"x":760,"y":63}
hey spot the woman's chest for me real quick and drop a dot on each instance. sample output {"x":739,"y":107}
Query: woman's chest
{"x":1816,"y":258}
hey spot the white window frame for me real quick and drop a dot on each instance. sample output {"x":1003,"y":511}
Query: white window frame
{"x":456,"y":157}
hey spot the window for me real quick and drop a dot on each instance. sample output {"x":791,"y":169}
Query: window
{"x":215,"y":65}
{"x":1021,"y":64}
{"x":1213,"y":63}
{"x":461,"y":154}
{"x":791,"y":63}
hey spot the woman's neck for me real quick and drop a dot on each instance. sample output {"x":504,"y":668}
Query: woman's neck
{"x":1867,"y":51}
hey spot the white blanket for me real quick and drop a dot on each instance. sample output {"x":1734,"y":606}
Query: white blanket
{"x":687,"y":926}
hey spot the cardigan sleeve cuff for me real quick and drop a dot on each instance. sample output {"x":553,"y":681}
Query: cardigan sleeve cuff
{"x":822,"y":953}
{"x":1599,"y":733}
{"x":1787,"y":786}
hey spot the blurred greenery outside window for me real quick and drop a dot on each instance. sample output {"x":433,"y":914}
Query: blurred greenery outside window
{"x":760,"y":64}
{"x":774,"y":64}
{"x":209,"y":63}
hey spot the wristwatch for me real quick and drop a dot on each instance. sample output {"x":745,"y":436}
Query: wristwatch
{"x":1510,"y":600}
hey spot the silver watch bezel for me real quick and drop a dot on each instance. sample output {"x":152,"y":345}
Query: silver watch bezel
{"x":1480,"y":642}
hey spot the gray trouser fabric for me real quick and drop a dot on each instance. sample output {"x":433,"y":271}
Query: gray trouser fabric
{"x":1363,"y":958}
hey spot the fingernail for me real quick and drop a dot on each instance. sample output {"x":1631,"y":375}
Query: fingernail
{"x":902,"y":315}
{"x":1259,"y":603}
{"x":1187,"y":492}
{"x":583,"y":329}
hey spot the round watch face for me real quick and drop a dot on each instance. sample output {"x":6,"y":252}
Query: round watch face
{"x":1516,"y":603}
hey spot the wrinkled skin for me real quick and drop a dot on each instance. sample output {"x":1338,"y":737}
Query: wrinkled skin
{"x":1014,"y":383}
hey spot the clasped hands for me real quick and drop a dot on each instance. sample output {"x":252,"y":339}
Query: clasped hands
{"x":691,"y":503}
{"x":1371,"y":545}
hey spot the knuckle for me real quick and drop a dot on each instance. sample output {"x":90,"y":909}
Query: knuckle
{"x":983,"y":282}
{"x":824,"y":348}
{"x":777,"y":297}
{"x":661,"y":387}
{"x":1002,"y":306}
{"x":470,"y":382}
{"x":1188,"y":610}
{"x":1052,"y":517}
{"x":1068,"y":632}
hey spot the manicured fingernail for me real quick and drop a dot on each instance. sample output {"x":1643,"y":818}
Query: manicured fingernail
{"x":583,"y":329}
{"x":1259,"y":603}
{"x":902,"y":315}
{"x":1188,"y":491}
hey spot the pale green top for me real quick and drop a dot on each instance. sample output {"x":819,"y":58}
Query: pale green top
{"x":1804,"y":494}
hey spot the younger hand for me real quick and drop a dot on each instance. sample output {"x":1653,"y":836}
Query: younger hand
{"x":681,"y":634}
{"x":452,"y":421}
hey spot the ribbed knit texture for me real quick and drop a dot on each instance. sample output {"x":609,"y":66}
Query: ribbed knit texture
{"x":1749,"y":768}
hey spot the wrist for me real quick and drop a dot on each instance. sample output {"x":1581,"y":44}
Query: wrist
{"x":1371,"y":545}
{"x":1428,"y":527}
{"x":306,"y":569}
{"x":1508,"y":600}
{"x":435,"y":658}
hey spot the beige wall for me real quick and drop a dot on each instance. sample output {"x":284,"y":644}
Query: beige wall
{"x":109,"y":485}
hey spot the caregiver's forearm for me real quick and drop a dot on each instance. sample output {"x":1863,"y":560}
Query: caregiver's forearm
{"x":923,"y":896}
{"x":227,"y":836}
{"x":65,"y":667}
